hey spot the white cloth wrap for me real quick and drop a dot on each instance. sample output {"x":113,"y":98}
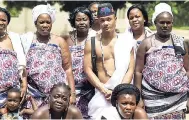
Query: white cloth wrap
{"x":18,"y":48}
{"x":160,"y":8}
{"x":41,"y":9}
{"x":122,"y":50}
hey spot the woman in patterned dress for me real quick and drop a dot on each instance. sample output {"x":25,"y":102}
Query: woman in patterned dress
{"x":162,"y":69}
{"x":12,"y":60}
{"x":80,"y":19}
{"x":48,"y":57}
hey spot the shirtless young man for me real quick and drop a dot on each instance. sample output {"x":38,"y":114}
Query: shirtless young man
{"x":106,"y":45}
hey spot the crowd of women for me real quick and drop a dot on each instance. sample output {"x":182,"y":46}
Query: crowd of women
{"x":54,"y":77}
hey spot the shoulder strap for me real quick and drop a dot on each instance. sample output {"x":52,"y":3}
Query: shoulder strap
{"x":178,"y":43}
{"x":93,"y":55}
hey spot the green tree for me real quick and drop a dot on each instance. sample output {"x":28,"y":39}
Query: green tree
{"x":180,"y":8}
{"x":68,"y":6}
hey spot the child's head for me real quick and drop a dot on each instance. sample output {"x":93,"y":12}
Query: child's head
{"x":13,"y":99}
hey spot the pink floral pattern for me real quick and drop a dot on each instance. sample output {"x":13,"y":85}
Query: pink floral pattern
{"x":178,"y":115}
{"x":9,"y":73}
{"x":44,"y":66}
{"x":77,"y":54}
{"x":165,"y":71}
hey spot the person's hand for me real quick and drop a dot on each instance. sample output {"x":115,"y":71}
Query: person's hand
{"x":3,"y":111}
{"x":23,"y":94}
{"x":28,"y":97}
{"x":141,"y":104}
{"x":73,"y":99}
{"x":108,"y":95}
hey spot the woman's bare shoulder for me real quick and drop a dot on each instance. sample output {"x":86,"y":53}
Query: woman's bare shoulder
{"x":140,"y":113}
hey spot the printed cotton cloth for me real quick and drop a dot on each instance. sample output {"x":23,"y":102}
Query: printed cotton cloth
{"x":44,"y":67}
{"x":164,"y":81}
{"x":9,"y":73}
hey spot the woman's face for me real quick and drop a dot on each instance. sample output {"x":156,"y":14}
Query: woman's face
{"x":82,"y":22}
{"x":164,"y":23}
{"x":44,"y":24}
{"x":136,"y":19}
{"x":3,"y":23}
{"x":59,"y":99}
{"x":126,"y":105}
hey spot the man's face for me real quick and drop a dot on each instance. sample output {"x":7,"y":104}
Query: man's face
{"x":59,"y":99}
{"x":13,"y":101}
{"x":82,"y":22}
{"x":3,"y":23}
{"x":136,"y":19}
{"x":126,"y":105}
{"x":94,"y":10}
{"x":108,"y":23}
{"x":44,"y":24}
{"x":164,"y":23}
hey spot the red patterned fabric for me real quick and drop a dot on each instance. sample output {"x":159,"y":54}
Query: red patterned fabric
{"x":164,"y":70}
{"x":44,"y":66}
{"x":9,"y":73}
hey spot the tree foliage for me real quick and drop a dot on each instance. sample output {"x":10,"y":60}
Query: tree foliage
{"x":180,"y":8}
{"x":67,"y":6}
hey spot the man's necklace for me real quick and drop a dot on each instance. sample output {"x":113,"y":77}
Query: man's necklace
{"x":102,"y":52}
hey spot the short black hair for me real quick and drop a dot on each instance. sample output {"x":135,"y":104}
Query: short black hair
{"x":63,"y":85}
{"x":125,"y":89}
{"x":142,"y":9}
{"x":7,"y":13}
{"x":82,"y":10}
{"x":16,"y":90}
{"x":89,"y":7}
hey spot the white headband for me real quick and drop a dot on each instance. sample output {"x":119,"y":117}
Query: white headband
{"x":160,"y":8}
{"x":41,"y":9}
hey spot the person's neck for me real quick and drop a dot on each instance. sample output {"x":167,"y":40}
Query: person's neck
{"x":42,"y":38}
{"x":108,"y":36}
{"x":81,"y":35}
{"x":138,"y":33}
{"x":14,"y":111}
{"x":3,"y":35}
{"x":56,"y":115}
{"x":162,"y":38}
{"x":96,"y":27}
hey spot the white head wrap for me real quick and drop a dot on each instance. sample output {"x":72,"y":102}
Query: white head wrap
{"x":160,"y":8}
{"x":41,"y":9}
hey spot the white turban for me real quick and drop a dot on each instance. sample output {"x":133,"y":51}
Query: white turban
{"x":160,"y":8}
{"x":41,"y":9}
